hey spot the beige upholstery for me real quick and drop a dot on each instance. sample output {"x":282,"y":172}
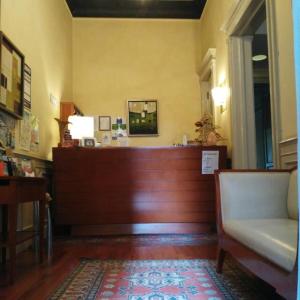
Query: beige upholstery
{"x":275,"y":239}
{"x":293,"y":196}
{"x":253,"y":195}
{"x":260,"y":210}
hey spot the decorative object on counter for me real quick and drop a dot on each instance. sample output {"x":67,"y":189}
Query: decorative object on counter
{"x":62,"y":125}
{"x":185,"y":140}
{"x":207,"y":131}
{"x":106,"y":139}
{"x":12,"y":78}
{"x":68,"y":141}
{"x":142,"y":118}
{"x":88,"y":142}
{"x":7,"y":130}
{"x":123,"y":141}
{"x":27,"y":87}
{"x":104,"y":123}
{"x":119,"y":129}
{"x":119,"y":121}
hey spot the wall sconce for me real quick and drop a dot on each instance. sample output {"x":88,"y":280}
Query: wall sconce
{"x":220,"y":95}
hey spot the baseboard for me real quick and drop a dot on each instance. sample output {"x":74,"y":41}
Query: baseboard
{"x":145,"y":228}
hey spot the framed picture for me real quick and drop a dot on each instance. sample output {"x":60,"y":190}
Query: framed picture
{"x":88,"y":142}
{"x":12,"y":78}
{"x":27,"y":87}
{"x":142,"y":118}
{"x":104,"y":123}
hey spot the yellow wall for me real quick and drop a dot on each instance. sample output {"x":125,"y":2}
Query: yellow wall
{"x":42,"y":30}
{"x":285,"y":41}
{"x":211,"y":36}
{"x":115,"y":60}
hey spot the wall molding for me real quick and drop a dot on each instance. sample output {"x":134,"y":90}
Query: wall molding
{"x":240,"y":15}
{"x":274,"y":81}
{"x":242,"y":102}
{"x":208,"y":79}
{"x":208,"y":63}
{"x":288,"y":152}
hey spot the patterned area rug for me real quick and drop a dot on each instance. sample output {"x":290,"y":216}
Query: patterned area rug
{"x":158,"y":280}
{"x":149,"y":240}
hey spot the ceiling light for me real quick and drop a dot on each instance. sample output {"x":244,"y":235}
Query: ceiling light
{"x":259,"y":57}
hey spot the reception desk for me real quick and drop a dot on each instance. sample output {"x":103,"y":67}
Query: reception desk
{"x":134,"y":190}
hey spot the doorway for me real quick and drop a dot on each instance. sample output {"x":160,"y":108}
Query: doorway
{"x":253,"y":79}
{"x":261,"y":86}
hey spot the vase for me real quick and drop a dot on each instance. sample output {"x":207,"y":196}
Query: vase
{"x":211,"y":139}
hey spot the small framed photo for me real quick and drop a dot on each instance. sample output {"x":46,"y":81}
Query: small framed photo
{"x":104,"y":123}
{"x":88,"y":142}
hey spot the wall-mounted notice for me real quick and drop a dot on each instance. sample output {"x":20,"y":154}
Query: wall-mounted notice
{"x":27,"y":87}
{"x":210,"y":161}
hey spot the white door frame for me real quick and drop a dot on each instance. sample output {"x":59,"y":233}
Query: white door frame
{"x":241,"y":82}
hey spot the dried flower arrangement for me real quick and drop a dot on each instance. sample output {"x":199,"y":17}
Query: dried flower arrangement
{"x":207,"y":131}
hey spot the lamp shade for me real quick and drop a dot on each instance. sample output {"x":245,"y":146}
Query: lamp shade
{"x":81,"y":127}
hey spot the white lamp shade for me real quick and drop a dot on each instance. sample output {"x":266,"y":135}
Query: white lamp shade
{"x":81,"y":127}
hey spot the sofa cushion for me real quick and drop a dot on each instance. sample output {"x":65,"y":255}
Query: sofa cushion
{"x":254,"y":195}
{"x":292,"y":201}
{"x":274,"y":239}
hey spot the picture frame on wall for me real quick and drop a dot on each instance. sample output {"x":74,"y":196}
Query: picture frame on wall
{"x":12,"y":78}
{"x":27,"y":87}
{"x":142,"y":117}
{"x":104,"y":123}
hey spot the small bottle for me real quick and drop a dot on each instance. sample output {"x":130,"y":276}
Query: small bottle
{"x":184,"y":140}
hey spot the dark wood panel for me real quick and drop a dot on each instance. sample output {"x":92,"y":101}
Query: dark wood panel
{"x":149,"y":175}
{"x":123,"y":198}
{"x":137,"y":207}
{"x":133,"y":185}
{"x":142,"y":228}
{"x":154,"y":217}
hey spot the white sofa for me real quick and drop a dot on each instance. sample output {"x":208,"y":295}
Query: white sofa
{"x":258,"y":224}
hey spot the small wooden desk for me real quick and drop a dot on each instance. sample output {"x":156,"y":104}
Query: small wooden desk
{"x":13,"y":191}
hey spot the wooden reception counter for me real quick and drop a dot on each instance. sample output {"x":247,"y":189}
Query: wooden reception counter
{"x":134,"y":190}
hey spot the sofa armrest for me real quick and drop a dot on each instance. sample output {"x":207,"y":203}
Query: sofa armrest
{"x":253,"y":194}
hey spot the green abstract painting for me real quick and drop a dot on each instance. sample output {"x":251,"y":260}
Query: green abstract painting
{"x":142,"y":118}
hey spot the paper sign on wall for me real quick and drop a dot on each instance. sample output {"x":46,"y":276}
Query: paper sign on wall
{"x":210,"y":161}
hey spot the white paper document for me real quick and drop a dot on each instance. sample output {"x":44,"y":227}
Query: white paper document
{"x":210,"y":161}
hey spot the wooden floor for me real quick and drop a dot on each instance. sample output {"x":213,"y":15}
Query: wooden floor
{"x":39,"y":281}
